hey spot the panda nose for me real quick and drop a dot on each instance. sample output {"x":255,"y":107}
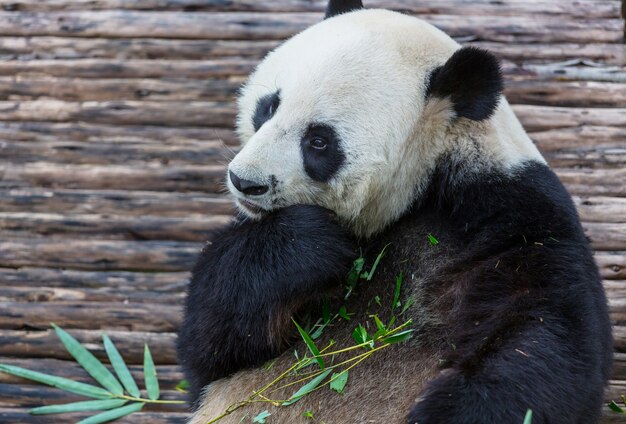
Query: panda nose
{"x":251,"y":188}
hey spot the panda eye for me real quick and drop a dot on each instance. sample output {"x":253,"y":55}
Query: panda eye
{"x":318,"y":143}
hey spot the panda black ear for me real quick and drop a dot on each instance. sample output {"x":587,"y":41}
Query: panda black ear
{"x":472,"y":80}
{"x":337,"y":7}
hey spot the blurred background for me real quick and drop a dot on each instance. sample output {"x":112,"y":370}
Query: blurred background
{"x":116,"y":121}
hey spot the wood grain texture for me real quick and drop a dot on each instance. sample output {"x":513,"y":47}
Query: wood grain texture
{"x":116,"y":120}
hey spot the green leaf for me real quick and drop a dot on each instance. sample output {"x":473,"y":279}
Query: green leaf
{"x":396,"y":295}
{"x":409,"y":302}
{"x":378,"y":258}
{"x":398,"y":337}
{"x":528,"y":419}
{"x":338,"y":381}
{"x":113,"y":414}
{"x":59,"y":382}
{"x":90,"y":363}
{"x":120,"y":367}
{"x":307,"y":388}
{"x":379,"y":323}
{"x":89,"y":405}
{"x":149,"y":374}
{"x":616,"y":408}
{"x":343,"y":313}
{"x":433,"y":241}
{"x":308,"y":414}
{"x":311,"y":345}
{"x":361,"y":336}
{"x":377,"y":300}
{"x":261,"y":417}
{"x":183,"y":385}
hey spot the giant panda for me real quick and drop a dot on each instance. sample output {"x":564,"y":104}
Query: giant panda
{"x":373,"y":129}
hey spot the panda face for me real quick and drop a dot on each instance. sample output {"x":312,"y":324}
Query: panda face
{"x":348,"y":115}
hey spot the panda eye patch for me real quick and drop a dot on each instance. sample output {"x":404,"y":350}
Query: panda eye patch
{"x":265,"y":109}
{"x":321,"y":152}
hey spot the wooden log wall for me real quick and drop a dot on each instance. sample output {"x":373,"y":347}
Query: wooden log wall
{"x":116,"y":121}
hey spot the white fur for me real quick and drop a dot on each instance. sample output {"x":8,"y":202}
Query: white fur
{"x":365,"y":74}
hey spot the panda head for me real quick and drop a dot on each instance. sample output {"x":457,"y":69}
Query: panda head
{"x":354,"y":113}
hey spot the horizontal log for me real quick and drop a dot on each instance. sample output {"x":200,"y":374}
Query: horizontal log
{"x":581,"y":9}
{"x":99,"y":254}
{"x":91,"y":315}
{"x":582,"y":138}
{"x":244,"y":25}
{"x":33,"y":395}
{"x":122,"y":113}
{"x":612,"y":265}
{"x":608,"y":54}
{"x":113,"y":280}
{"x":603,"y":182}
{"x":60,"y":48}
{"x":169,"y":375}
{"x":160,"y":177}
{"x":76,"y":89}
{"x":117,"y":153}
{"x":45,"y":344}
{"x":573,"y":71}
{"x":570,"y":93}
{"x":196,"y":228}
{"x":80,"y":131}
{"x":104,"y":294}
{"x":541,"y":118}
{"x":121,"y":68}
{"x":601,"y":209}
{"x":107,"y":202}
{"x":606,"y":236}
{"x":602,"y":158}
{"x":21,"y":416}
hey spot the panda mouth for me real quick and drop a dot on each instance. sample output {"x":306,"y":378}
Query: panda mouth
{"x":251,"y":208}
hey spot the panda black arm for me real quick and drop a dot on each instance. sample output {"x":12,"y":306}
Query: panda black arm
{"x":249,"y":281}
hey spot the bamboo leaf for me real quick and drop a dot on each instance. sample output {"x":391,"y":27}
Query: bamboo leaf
{"x":338,"y":381}
{"x":528,"y":419}
{"x":59,"y":382}
{"x":120,"y":367}
{"x":261,"y":418}
{"x":149,"y":374}
{"x":307,"y":388}
{"x":113,"y":414}
{"x":398,"y":337}
{"x":89,"y":405}
{"x":311,"y":345}
{"x":343,"y":313}
{"x":616,"y":408}
{"x":396,"y":295}
{"x":90,"y":363}
{"x":378,"y":258}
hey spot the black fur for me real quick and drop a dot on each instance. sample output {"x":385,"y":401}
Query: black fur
{"x":265,"y":108}
{"x":521,"y":302}
{"x":321,"y":164}
{"x":248,"y":282}
{"x":472,"y":79}
{"x":337,"y":7}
